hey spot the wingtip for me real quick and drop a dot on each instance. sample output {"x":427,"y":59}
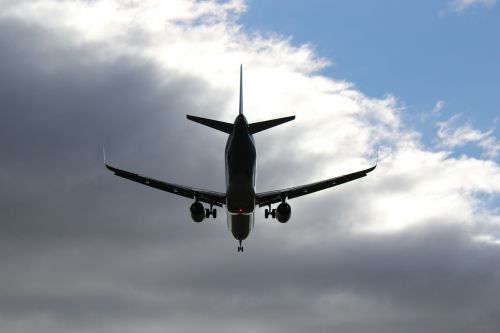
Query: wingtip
{"x":375,"y":165}
{"x":109,"y":167}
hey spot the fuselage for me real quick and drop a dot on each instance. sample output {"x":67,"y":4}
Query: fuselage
{"x":240,"y":160}
{"x":240,"y":198}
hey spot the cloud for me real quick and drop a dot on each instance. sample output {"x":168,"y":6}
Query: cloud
{"x":435,"y":112}
{"x":411,"y":247}
{"x":438,"y":107}
{"x":463,"y":5}
{"x":452,"y":136}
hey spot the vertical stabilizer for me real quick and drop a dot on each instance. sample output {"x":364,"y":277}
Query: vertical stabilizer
{"x":241,"y":89}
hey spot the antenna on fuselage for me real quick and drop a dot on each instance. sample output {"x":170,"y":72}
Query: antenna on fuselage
{"x":241,"y":89}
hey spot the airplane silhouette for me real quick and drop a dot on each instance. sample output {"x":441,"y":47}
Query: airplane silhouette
{"x":240,"y":198}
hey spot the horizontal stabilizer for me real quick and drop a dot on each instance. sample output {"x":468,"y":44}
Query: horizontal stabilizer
{"x":218,"y":125}
{"x":263,"y":125}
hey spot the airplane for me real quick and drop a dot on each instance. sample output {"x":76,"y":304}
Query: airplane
{"x":240,"y":198}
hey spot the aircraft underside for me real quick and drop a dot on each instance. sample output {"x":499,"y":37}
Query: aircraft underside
{"x":240,"y":197}
{"x":240,"y":225}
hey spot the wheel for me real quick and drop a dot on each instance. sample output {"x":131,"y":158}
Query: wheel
{"x":266,"y":213}
{"x":273,"y":213}
{"x":207,"y":213}
{"x":214,"y":213}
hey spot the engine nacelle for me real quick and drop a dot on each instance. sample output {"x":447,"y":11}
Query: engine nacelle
{"x":197,"y":212}
{"x":283,"y":212}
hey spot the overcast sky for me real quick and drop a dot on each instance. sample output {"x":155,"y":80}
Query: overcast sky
{"x":413,"y":247}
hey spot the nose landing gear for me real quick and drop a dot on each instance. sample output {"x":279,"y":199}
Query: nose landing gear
{"x":240,"y":247}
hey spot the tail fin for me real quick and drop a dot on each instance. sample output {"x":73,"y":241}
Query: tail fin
{"x":263,"y":125}
{"x":218,"y":125}
{"x":241,"y":89}
{"x":228,"y":128}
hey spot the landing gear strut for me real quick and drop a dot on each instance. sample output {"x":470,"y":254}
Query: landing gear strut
{"x":271,"y":212}
{"x":240,"y":247}
{"x":210,"y":211}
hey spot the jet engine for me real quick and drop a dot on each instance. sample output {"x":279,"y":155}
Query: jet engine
{"x":283,"y":212}
{"x":197,"y":212}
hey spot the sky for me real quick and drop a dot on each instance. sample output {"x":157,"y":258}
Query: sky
{"x":413,"y":247}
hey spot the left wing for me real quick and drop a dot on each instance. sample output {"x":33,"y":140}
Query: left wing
{"x":210,"y":197}
{"x":267,"y":198}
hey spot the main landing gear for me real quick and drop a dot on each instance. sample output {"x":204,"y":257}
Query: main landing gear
{"x":270,"y":212}
{"x":210,"y":211}
{"x":240,"y":247}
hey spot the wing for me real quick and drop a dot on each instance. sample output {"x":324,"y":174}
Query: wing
{"x":267,"y":198}
{"x":210,"y":197}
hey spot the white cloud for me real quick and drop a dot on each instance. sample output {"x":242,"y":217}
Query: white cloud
{"x":438,"y":107}
{"x":452,"y":135}
{"x":487,"y":239}
{"x":463,"y":5}
{"x":433,"y":113}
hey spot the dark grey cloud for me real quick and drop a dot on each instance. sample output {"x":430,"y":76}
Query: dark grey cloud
{"x":55,"y":121}
{"x":84,"y":251}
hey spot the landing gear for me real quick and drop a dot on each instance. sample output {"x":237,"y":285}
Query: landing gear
{"x":210,"y":211}
{"x":240,"y":247}
{"x":271,"y":212}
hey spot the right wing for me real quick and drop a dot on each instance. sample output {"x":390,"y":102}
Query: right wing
{"x":210,"y":197}
{"x":267,"y":198}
